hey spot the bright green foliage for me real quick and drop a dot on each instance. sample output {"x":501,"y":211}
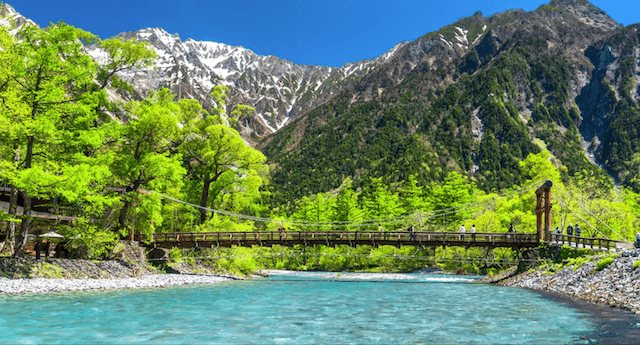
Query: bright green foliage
{"x":92,"y":239}
{"x":227,"y":172}
{"x":123,"y":55}
{"x":602,"y":264}
{"x":380,"y":202}
{"x":317,"y":209}
{"x":413,"y":197}
{"x":50,"y":112}
{"x":636,"y":264}
{"x":538,"y":168}
{"x":347,"y":207}
{"x":455,"y":191}
{"x":142,"y":158}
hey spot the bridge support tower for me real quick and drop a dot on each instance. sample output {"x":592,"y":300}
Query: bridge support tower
{"x":543,"y":206}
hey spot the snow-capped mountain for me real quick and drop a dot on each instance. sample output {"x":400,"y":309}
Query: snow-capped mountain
{"x":10,"y":18}
{"x":279,"y":89}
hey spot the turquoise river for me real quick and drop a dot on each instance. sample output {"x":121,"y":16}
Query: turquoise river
{"x":312,"y":309}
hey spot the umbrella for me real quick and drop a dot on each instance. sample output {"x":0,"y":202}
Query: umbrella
{"x":52,"y":234}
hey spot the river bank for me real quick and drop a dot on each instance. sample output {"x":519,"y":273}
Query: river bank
{"x":615,"y":283}
{"x":27,"y":275}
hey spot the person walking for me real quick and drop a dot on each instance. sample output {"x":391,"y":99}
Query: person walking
{"x":570,"y":229}
{"x":473,"y":229}
{"x":578,"y":230}
{"x":380,"y":228}
{"x":462,"y":231}
{"x":637,"y":239}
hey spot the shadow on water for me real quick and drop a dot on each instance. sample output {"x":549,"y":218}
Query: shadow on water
{"x":613,"y":325}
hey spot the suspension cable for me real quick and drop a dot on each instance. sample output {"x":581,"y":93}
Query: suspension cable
{"x":591,"y":213}
{"x":361,"y":223}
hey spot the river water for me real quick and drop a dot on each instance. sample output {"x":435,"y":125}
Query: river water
{"x":311,"y":309}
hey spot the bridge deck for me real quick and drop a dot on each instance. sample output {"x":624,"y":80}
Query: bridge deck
{"x":353,"y":238}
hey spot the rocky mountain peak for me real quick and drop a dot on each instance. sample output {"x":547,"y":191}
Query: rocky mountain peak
{"x":586,"y":12}
{"x":279,"y":89}
{"x":9,"y":16}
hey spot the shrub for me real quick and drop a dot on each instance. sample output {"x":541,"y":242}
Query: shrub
{"x":602,"y":264}
{"x":578,"y":262}
{"x":175,"y":254}
{"x":636,"y":264}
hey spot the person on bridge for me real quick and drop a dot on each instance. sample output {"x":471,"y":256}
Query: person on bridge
{"x":578,"y":230}
{"x":637,"y":239}
{"x":411,"y":230}
{"x":462,"y":231}
{"x":380,"y":228}
{"x":473,"y":229}
{"x":570,"y":229}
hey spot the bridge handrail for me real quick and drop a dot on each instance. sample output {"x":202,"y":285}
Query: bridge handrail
{"x":591,"y":241}
{"x":342,"y":235}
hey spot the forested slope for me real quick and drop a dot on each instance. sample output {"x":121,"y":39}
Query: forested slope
{"x":532,"y":81}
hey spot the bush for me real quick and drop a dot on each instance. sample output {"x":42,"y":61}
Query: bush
{"x":602,"y":264}
{"x":636,"y":264}
{"x":578,"y":262}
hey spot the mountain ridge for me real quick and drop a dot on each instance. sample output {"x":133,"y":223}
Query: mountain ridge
{"x":477,"y":109}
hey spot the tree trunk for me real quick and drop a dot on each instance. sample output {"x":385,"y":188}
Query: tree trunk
{"x":205,"y":199}
{"x":13,"y":208}
{"x":11,"y":226}
{"x":122,"y":218}
{"x":21,"y":239}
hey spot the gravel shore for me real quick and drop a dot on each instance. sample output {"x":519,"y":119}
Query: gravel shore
{"x":27,"y":275}
{"x":617,"y":285}
{"x":46,"y":285}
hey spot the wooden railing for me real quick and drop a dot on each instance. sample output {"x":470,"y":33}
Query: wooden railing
{"x":587,"y":242}
{"x":190,"y":239}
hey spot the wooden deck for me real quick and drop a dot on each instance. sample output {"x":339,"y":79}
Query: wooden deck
{"x":332,"y":238}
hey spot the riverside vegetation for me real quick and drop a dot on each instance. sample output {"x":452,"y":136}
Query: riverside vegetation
{"x":64,"y":140}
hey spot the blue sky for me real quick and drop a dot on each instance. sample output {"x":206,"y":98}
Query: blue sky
{"x":318,"y":32}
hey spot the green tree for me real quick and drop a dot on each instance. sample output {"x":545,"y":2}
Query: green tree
{"x":228,"y":169}
{"x":412,"y":196}
{"x":381,"y":202}
{"x":347,"y":208}
{"x":454,"y":192}
{"x":143,"y":159}
{"x":50,"y":77}
{"x":320,"y":208}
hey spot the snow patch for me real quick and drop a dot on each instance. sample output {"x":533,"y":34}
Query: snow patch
{"x":461,"y":35}
{"x":284,"y":122}
{"x":266,"y":123}
{"x":445,"y":41}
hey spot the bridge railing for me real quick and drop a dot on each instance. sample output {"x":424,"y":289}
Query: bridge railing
{"x":587,"y":242}
{"x":346,"y":237}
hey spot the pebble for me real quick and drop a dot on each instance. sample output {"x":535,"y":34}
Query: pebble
{"x":616,"y":285}
{"x":24,"y":275}
{"x":45,"y":285}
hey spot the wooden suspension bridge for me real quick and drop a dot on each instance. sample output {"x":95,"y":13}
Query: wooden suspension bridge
{"x":422,"y":239}
{"x":394,"y":238}
{"x":372,"y":238}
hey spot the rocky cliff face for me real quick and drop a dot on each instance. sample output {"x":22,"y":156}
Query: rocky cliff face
{"x":279,"y":89}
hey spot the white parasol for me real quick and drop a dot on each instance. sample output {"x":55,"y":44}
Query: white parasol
{"x":52,"y":235}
